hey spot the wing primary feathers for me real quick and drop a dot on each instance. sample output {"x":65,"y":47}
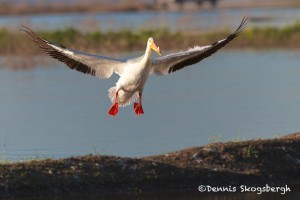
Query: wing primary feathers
{"x":213,"y":48}
{"x":170,"y":64}
{"x":242,"y":26}
{"x":57,"y":54}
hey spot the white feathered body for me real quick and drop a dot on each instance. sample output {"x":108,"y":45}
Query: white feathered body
{"x":131,"y":81}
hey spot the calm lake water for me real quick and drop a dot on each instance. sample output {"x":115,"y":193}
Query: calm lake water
{"x":234,"y":95}
{"x":202,"y":20}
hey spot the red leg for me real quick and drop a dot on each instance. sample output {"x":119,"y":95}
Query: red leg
{"x":114,"y":108}
{"x":138,"y":109}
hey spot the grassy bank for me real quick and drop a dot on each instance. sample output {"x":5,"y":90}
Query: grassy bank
{"x":253,"y":163}
{"x":113,"y":43}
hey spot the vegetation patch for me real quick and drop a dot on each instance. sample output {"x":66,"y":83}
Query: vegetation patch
{"x":112,"y":43}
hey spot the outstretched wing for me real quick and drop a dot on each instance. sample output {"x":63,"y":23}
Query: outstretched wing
{"x":100,"y":66}
{"x":176,"y":61}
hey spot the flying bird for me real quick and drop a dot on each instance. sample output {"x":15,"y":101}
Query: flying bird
{"x":133,"y":72}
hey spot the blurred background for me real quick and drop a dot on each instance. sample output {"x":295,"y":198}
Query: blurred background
{"x":248,"y":90}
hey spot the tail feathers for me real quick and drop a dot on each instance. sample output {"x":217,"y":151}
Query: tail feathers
{"x":124,"y":98}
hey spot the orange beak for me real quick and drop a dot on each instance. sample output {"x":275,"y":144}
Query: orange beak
{"x":155,"y":48}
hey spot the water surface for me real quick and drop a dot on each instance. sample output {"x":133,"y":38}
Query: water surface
{"x":57,"y":112}
{"x":201,"y":20}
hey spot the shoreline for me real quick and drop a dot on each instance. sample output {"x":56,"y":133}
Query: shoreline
{"x":252,"y":163}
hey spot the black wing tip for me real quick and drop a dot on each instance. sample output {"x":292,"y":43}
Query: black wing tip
{"x":214,"y":47}
{"x":33,"y":35}
{"x":242,"y":26}
{"x":46,"y":46}
{"x":25,"y":28}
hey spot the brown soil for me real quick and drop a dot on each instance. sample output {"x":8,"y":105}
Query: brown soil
{"x":254,"y":162}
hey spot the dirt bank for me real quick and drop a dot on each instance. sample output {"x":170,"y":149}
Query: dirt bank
{"x":254,"y":162}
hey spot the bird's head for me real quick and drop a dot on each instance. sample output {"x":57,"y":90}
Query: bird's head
{"x":153,"y":46}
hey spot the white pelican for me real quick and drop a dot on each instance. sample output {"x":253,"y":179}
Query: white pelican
{"x":133,"y":72}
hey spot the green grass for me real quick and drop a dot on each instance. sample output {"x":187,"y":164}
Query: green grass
{"x":269,"y":37}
